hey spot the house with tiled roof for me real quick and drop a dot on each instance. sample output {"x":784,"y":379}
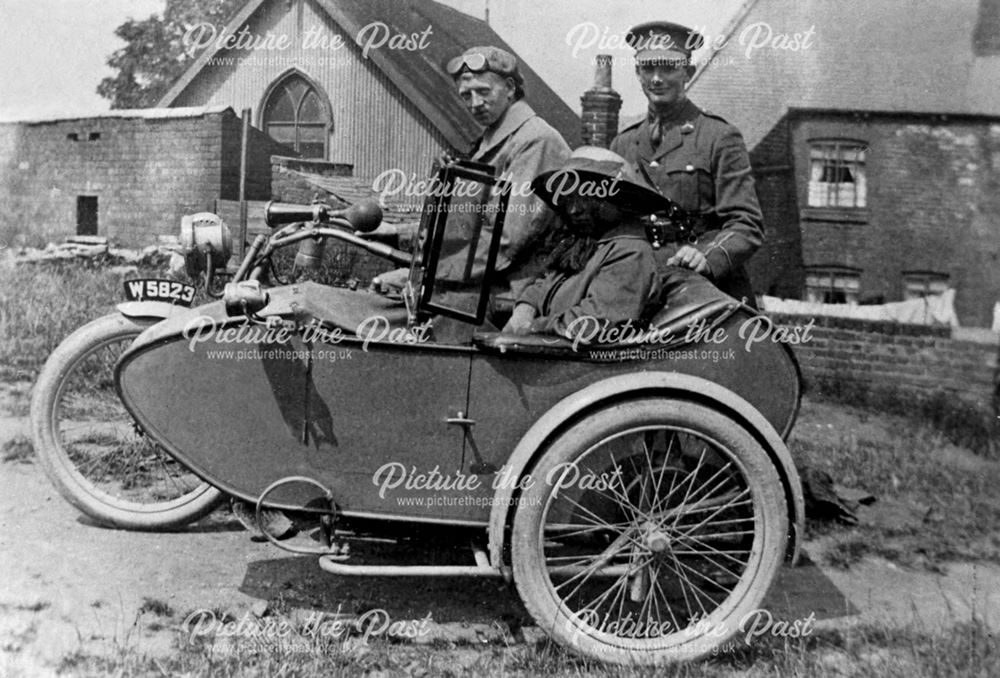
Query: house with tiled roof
{"x":874,"y":130}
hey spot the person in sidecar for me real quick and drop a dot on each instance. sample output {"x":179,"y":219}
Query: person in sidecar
{"x":520,"y":145}
{"x":601,"y":264}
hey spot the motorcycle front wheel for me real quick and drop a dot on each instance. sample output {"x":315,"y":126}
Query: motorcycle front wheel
{"x":92,"y":449}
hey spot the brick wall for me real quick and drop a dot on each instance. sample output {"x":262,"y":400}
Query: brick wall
{"x":776,"y":268}
{"x":933,"y":204}
{"x":145,"y":171}
{"x":908,"y":363}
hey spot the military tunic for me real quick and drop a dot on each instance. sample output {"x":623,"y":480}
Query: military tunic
{"x":702,"y":164}
{"x":618,"y":283}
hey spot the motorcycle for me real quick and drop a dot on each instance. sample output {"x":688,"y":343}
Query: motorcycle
{"x":633,"y":484}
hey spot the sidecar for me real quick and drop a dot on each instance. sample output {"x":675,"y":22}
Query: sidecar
{"x":636,"y":487}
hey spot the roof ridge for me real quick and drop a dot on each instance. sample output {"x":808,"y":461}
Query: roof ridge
{"x":235,"y":21}
{"x":152,"y":113}
{"x":727,"y":32}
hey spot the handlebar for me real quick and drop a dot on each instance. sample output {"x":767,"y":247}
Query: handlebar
{"x":380,"y":249}
{"x":309,"y":226}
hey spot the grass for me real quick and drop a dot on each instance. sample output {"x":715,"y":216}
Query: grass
{"x":41,"y":304}
{"x":936,"y":501}
{"x":17,"y":450}
{"x":155,"y":607}
{"x":961,"y":423}
{"x":967,"y":649}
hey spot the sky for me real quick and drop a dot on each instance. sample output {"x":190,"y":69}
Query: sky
{"x":53,"y":52}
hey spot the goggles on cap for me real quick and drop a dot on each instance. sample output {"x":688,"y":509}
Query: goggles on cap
{"x":476,"y":62}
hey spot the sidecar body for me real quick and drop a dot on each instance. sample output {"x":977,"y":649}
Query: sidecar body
{"x":384,"y":417}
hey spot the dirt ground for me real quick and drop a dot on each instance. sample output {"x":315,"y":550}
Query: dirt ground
{"x":68,"y":586}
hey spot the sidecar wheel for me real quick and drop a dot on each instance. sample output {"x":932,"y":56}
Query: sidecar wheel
{"x":90,"y":447}
{"x":650,"y":530}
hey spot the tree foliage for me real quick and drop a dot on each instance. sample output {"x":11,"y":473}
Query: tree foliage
{"x":155,"y":55}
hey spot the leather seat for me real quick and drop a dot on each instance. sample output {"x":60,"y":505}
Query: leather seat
{"x":686,"y":298}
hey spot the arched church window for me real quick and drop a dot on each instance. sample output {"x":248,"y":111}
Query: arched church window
{"x":297,"y":115}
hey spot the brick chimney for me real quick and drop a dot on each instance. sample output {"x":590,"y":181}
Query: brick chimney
{"x":986,"y":35}
{"x":600,"y":106}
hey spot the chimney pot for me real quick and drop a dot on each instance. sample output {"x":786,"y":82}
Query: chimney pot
{"x":600,"y":106}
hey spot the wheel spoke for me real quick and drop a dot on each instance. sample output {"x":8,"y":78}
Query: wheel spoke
{"x":700,"y":507}
{"x":96,"y":455}
{"x":600,"y":561}
{"x":682,"y":564}
{"x":697,"y":591}
{"x":596,"y":519}
{"x":666,"y":600}
{"x":691,"y":497}
{"x":673,"y":478}
{"x":678,"y":529}
{"x":716,"y":512}
{"x":681,"y":580}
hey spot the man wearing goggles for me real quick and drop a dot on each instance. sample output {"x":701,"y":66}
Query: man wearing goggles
{"x":520,"y":145}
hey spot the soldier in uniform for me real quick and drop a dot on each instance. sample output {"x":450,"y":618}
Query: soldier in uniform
{"x":696,"y":159}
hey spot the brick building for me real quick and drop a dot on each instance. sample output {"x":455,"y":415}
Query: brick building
{"x":125,"y":175}
{"x":875,"y":139}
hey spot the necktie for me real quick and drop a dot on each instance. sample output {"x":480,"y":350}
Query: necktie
{"x":655,"y":131}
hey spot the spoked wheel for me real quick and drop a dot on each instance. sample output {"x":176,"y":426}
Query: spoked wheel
{"x":650,"y":530}
{"x":92,"y":449}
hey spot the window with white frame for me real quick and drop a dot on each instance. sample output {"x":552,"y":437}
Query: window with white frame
{"x":920,"y":284}
{"x":837,"y":174}
{"x":832,"y":285}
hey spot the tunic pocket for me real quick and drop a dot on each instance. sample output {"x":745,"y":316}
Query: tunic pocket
{"x":687,"y":182}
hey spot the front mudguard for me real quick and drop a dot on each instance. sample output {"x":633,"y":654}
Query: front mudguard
{"x":149,"y":310}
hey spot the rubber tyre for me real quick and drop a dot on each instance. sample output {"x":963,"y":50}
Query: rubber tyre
{"x":769,"y":522}
{"x":47,"y":415}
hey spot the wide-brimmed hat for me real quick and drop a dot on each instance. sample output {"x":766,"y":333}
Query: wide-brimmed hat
{"x":592,"y":171}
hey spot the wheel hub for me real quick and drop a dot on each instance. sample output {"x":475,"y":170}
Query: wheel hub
{"x":655,"y":538}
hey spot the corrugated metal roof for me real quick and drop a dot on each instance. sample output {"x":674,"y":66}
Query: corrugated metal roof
{"x":869,"y":55}
{"x":421,"y":74}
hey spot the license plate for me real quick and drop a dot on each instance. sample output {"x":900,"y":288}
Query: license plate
{"x":151,"y":289}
